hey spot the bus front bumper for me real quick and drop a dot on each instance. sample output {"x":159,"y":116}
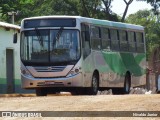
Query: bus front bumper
{"x":72,"y":81}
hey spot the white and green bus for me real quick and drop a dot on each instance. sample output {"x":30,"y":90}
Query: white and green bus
{"x":81,"y":55}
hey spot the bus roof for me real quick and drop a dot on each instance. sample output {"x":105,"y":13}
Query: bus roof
{"x":94,"y":21}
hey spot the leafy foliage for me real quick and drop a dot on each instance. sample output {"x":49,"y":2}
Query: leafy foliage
{"x":152,"y":27}
{"x":29,"y":8}
{"x":19,"y":6}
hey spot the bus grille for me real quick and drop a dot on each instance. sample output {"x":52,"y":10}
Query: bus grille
{"x":50,"y":68}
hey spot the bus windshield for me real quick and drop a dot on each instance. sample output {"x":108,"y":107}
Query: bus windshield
{"x":50,"y":46}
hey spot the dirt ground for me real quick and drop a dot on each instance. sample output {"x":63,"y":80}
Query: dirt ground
{"x":66,"y":102}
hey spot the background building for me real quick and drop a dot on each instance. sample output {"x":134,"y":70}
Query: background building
{"x":9,"y":60}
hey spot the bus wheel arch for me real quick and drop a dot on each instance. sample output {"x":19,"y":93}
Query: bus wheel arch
{"x":127,"y":83}
{"x":94,"y":83}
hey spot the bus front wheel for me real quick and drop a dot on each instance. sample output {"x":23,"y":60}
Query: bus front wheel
{"x":94,"y":87}
{"x":41,"y":92}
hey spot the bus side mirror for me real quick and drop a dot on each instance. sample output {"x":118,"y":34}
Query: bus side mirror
{"x":87,"y":36}
{"x":15,"y":38}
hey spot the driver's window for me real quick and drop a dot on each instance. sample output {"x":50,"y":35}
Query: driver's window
{"x":85,"y":40}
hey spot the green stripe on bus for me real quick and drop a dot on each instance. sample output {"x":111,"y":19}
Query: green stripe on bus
{"x":114,"y":62}
{"x":101,"y":22}
{"x":118,"y":25}
{"x":108,"y":23}
{"x":140,"y":57}
{"x":122,"y":62}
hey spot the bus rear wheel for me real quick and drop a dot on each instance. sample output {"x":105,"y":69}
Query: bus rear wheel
{"x":41,"y":92}
{"x":94,"y":87}
{"x":127,"y":84}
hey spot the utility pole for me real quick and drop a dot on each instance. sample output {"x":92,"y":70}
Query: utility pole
{"x":12,"y":14}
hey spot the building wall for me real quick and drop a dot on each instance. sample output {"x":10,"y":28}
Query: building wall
{"x":6,"y":42}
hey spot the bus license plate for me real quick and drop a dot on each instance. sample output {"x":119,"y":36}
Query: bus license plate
{"x":49,"y":82}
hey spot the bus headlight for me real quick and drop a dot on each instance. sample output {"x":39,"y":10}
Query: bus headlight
{"x":74,"y":72}
{"x":25,"y":72}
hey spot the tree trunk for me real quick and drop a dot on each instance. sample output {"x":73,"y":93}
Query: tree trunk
{"x":124,"y":14}
{"x":126,"y":9}
{"x":107,"y":5}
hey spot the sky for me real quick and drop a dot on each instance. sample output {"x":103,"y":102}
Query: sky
{"x":118,"y":6}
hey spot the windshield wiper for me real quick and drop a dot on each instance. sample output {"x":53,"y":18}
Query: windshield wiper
{"x":56,"y":38}
{"x":59,"y":33}
{"x":40,"y":38}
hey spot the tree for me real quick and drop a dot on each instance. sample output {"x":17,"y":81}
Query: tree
{"x":109,"y":15}
{"x":152,"y":28}
{"x":86,"y":8}
{"x":86,"y":11}
{"x":152,"y":1}
{"x":126,"y":9}
{"x":100,"y":9}
{"x":155,"y":4}
{"x":15,"y":5}
{"x":56,"y":7}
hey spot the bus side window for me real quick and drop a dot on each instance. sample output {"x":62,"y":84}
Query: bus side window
{"x":106,"y":41}
{"x":140,"y":42}
{"x":85,"y":40}
{"x":123,"y":40}
{"x":114,"y":39}
{"x":95,"y":38}
{"x":132,"y":41}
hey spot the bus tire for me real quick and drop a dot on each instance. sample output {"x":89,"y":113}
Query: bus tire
{"x":127,"y":84}
{"x":94,"y":85}
{"x":41,"y":92}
